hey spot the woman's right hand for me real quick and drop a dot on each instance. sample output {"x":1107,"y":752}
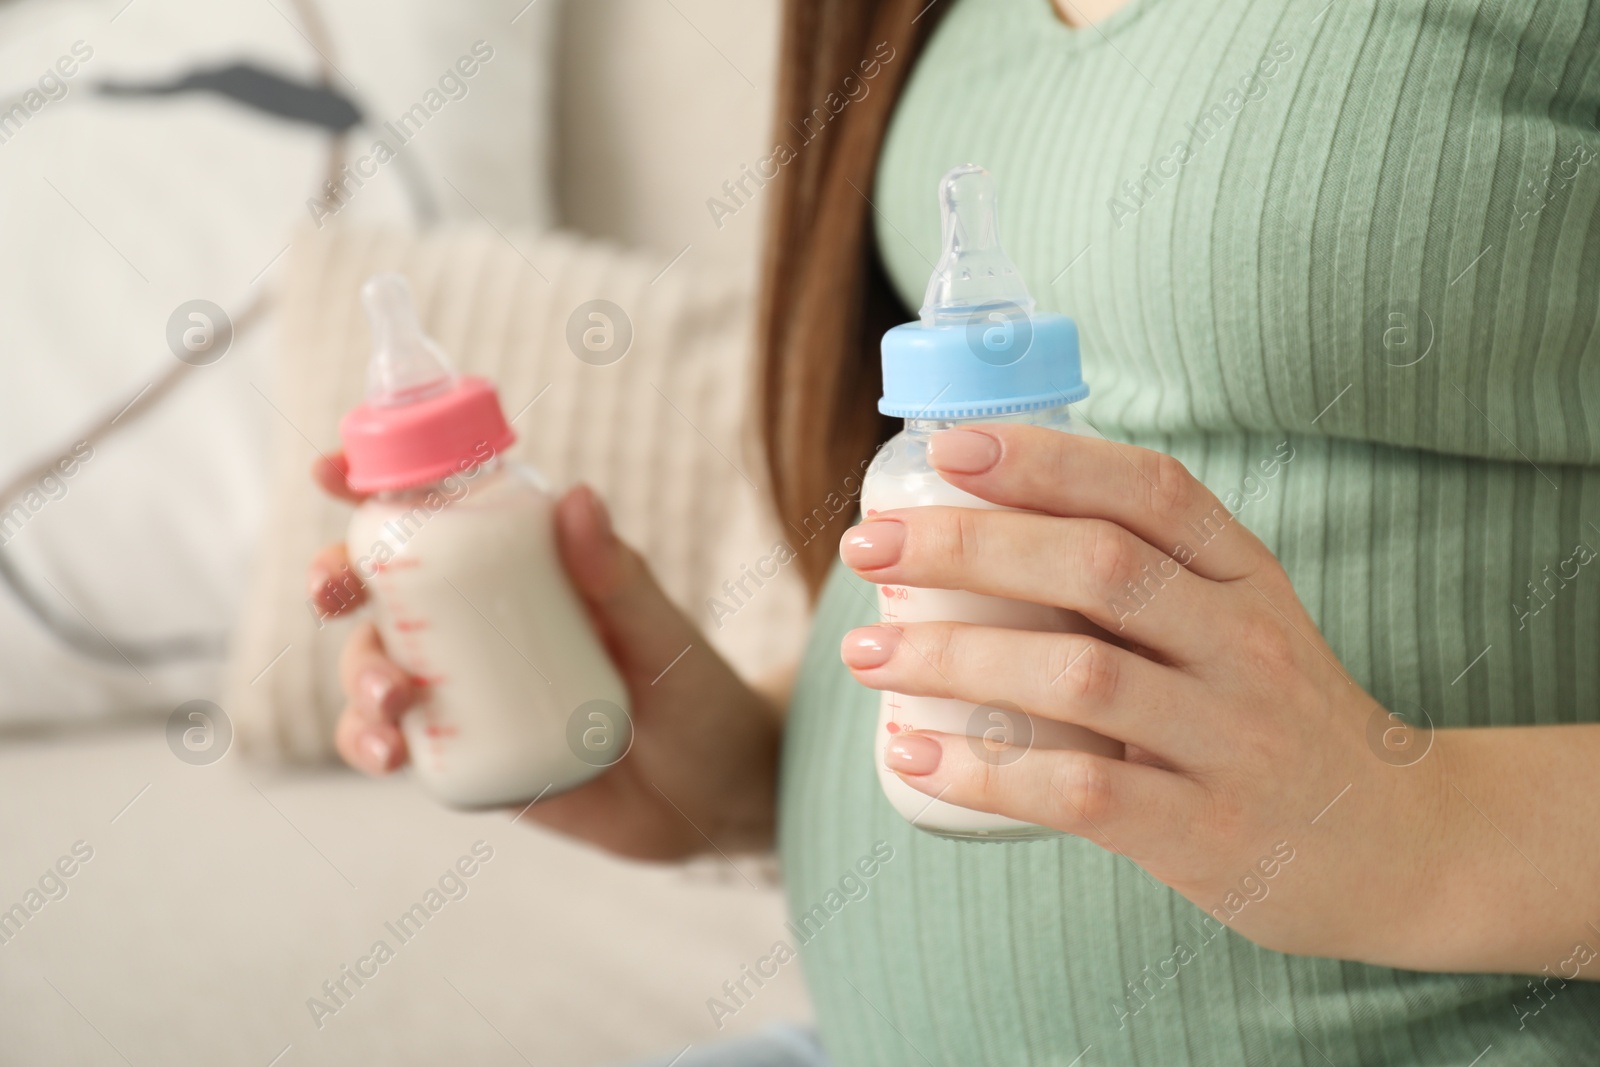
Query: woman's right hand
{"x":702,"y":771}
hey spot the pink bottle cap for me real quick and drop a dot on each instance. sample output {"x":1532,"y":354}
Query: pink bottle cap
{"x":421,"y":422}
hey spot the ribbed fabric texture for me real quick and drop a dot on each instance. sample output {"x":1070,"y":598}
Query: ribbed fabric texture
{"x":1379,"y":252}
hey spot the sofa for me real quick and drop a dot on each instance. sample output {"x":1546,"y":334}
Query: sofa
{"x":160,"y":906}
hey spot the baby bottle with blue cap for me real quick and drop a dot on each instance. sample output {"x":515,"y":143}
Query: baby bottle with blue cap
{"x":979,"y":353}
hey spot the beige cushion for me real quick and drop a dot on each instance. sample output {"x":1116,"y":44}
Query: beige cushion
{"x":658,"y":433}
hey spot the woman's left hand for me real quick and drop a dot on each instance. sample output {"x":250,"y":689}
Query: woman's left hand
{"x":1251,"y":784}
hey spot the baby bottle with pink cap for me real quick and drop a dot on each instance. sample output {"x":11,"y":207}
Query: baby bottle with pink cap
{"x":519,"y":699}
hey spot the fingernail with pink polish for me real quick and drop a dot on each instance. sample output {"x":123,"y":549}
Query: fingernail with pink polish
{"x":873,"y":544}
{"x":913,"y":754}
{"x":397,"y":699}
{"x":319,"y":584}
{"x":376,"y":751}
{"x":963,"y":451}
{"x":868,"y":647}
{"x":376,"y":691}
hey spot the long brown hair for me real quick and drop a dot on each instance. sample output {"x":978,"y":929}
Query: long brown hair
{"x":825,"y":300}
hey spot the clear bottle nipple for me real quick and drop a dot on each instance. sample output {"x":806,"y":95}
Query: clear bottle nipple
{"x":973,"y":273}
{"x":406,"y":365}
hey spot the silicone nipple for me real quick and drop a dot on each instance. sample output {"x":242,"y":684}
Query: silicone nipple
{"x":406,"y":365}
{"x":973,"y":273}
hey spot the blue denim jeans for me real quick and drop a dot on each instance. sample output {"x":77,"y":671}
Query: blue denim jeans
{"x":779,"y":1045}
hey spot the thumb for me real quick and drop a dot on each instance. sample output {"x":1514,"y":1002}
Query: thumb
{"x":644,"y":629}
{"x":332,"y":473}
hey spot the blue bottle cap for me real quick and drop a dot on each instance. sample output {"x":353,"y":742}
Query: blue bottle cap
{"x":979,"y":348}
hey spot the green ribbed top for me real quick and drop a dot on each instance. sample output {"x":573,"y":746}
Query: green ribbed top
{"x":1364,"y":231}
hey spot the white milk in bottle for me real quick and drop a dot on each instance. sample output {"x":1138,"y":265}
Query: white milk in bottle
{"x":518,"y":697}
{"x":979,"y":353}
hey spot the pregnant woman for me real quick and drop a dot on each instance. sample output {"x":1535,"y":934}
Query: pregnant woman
{"x":1337,"y":272}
